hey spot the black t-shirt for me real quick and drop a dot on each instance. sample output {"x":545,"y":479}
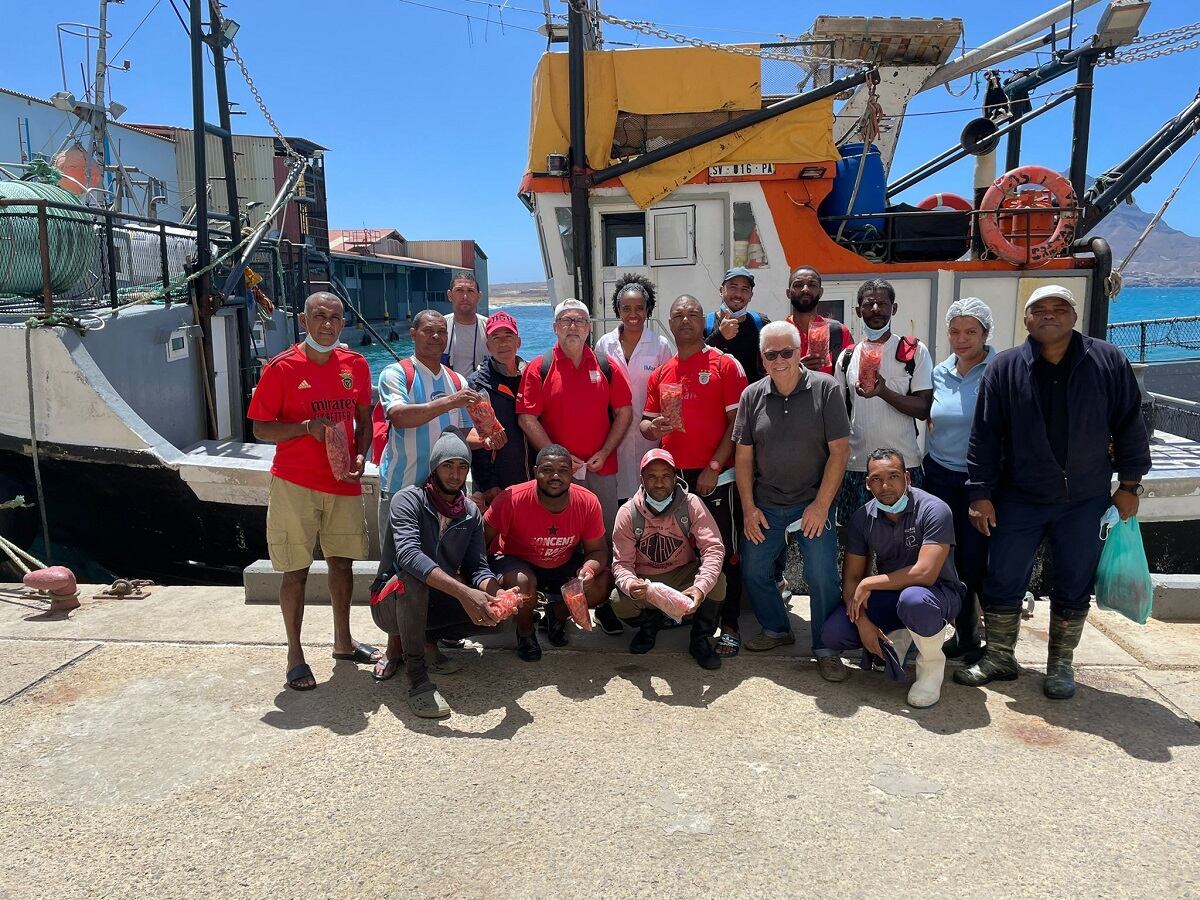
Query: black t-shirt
{"x":743,"y":347}
{"x":1051,"y":383}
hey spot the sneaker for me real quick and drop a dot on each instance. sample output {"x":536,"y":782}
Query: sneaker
{"x":608,"y":620}
{"x":528,"y":648}
{"x":643,"y":640}
{"x":831,"y":669}
{"x":556,"y":629}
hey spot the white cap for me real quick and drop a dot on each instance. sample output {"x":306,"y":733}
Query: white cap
{"x":1051,"y":290}
{"x":569,"y":304}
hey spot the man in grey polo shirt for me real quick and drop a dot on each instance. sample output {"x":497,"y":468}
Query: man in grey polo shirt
{"x":792,"y":440}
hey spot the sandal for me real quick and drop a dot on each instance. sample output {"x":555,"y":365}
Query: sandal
{"x":429,"y":704}
{"x":362,"y":653}
{"x":298,"y":674}
{"x":389,"y":668}
{"x":728,"y":644}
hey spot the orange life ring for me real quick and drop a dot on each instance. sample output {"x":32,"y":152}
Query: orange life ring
{"x":952,"y":201}
{"x":1006,"y":185}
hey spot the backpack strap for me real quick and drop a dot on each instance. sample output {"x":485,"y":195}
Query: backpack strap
{"x":843,"y":363}
{"x":710,"y":324}
{"x":757,"y":319}
{"x":680,"y":511}
{"x":544,"y":363}
{"x":906,"y":352}
{"x":410,"y":373}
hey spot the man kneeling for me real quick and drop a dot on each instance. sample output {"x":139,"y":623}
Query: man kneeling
{"x":665,"y":534}
{"x":546,"y":532}
{"x":442,"y":582}
{"x":917,"y":591}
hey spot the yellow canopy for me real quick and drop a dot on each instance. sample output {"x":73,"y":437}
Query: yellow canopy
{"x":671,"y":80}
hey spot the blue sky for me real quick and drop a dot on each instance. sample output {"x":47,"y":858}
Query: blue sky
{"x":426,"y":112}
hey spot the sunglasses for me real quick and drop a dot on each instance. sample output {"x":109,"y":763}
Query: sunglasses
{"x":772,"y":355}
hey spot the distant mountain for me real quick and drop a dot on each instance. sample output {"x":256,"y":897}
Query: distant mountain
{"x":1168,"y":256}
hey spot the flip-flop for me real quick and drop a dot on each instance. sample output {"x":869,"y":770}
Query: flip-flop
{"x":429,"y":704}
{"x":298,"y":673}
{"x":390,"y":668}
{"x":728,"y":645}
{"x":362,"y":653}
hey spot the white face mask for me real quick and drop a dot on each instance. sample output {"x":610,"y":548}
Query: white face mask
{"x":320,"y":348}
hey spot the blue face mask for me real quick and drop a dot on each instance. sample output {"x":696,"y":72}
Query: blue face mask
{"x":737,"y":314}
{"x":898,"y":507}
{"x":658,"y":505}
{"x":320,"y":348}
{"x":874,"y":334}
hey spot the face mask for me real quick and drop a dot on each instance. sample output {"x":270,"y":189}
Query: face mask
{"x":738,"y":314}
{"x":320,"y":348}
{"x":898,"y":507}
{"x":659,"y":505}
{"x":874,"y":334}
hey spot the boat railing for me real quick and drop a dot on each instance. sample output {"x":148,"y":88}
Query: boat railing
{"x":939,"y":235}
{"x":1177,"y":416}
{"x":1157,"y":340}
{"x":60,"y":257}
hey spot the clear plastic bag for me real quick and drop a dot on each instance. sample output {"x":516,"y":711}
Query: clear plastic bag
{"x":337,"y":448}
{"x":869,"y":359}
{"x":818,"y":341}
{"x":484,"y":417}
{"x":1123,"y":577}
{"x":506,"y":603}
{"x":577,"y":605}
{"x":671,"y":399}
{"x":669,"y":601}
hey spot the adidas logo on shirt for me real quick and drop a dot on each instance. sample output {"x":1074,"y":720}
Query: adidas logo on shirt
{"x":304,"y":385}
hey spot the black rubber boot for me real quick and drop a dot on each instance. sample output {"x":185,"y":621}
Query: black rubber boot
{"x":1066,"y":628}
{"x":966,"y":633}
{"x":647,"y":633}
{"x":997,"y":662}
{"x":704,"y":623}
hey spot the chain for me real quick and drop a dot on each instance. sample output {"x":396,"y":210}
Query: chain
{"x":1180,"y":33}
{"x":651,"y":30}
{"x":1135,"y":56}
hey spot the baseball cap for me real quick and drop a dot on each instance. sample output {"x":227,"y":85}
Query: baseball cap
{"x":500,"y":319}
{"x":1051,"y":290}
{"x":569,"y":305}
{"x":656,"y":455}
{"x":739,"y":272}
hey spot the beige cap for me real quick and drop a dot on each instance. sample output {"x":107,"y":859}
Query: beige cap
{"x":571,"y":304}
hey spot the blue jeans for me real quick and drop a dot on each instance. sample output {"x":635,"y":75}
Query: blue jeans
{"x":820,"y":571}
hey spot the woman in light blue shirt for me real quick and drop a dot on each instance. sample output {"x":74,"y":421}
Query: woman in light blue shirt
{"x":955,"y":389}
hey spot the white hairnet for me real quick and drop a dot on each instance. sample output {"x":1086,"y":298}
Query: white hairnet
{"x":973,"y":307}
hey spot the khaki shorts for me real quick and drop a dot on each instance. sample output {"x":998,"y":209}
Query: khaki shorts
{"x":681,"y":579}
{"x":297,"y":515}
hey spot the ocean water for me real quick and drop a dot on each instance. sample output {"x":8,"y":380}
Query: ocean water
{"x":1134,"y":304}
{"x":534,"y":323}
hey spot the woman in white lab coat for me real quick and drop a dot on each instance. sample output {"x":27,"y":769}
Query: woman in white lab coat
{"x":639,"y":349}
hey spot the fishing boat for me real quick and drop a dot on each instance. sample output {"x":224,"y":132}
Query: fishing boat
{"x":680,"y":162}
{"x":129,"y":347}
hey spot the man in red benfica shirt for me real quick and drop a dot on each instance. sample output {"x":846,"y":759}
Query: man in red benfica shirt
{"x":303,"y":391}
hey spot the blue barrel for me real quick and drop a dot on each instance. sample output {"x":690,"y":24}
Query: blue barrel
{"x":872,"y":192}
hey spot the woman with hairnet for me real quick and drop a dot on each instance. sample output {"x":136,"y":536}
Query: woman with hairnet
{"x":955,"y":387}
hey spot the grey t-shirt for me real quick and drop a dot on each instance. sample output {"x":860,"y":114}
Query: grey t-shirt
{"x":466,"y":348}
{"x":790,"y":436}
{"x":896,"y":545}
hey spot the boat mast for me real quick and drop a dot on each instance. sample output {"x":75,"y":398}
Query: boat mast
{"x":98,"y":156}
{"x":581,"y":216}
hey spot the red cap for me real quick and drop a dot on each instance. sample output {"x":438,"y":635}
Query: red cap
{"x":655,"y":455}
{"x":500,"y":319}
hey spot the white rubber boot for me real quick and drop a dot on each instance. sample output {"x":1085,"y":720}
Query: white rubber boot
{"x":901,"y":639}
{"x":931,"y":668}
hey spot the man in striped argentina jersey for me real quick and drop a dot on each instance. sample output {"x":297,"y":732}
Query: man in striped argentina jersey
{"x":421,"y":398}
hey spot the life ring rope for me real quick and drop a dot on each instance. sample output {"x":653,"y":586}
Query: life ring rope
{"x":1067,"y":215}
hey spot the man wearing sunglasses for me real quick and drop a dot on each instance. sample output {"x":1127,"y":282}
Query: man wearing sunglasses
{"x":792,"y":439}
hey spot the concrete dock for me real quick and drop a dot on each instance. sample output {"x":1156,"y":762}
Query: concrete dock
{"x":151,"y":749}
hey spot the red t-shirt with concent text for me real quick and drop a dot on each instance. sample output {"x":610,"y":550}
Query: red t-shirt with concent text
{"x":529,"y":531}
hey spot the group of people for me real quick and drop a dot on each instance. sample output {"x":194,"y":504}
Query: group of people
{"x":649,"y":467}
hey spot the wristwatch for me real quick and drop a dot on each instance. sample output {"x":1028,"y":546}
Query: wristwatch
{"x":716,"y":466}
{"x":1135,"y":489}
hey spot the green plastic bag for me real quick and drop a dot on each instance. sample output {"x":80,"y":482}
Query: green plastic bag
{"x":1123,"y":576}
